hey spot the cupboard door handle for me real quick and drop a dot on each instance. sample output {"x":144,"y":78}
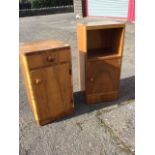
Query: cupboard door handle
{"x":91,"y":79}
{"x":38,"y":81}
{"x":50,"y":58}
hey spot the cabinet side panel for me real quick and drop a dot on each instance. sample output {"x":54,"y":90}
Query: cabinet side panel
{"x":27,"y":83}
{"x":71,"y":76}
{"x":121,"y":46}
{"x":81,"y":41}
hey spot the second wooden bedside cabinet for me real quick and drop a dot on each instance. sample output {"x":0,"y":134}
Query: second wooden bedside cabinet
{"x":47,"y":72}
{"x":100,"y":47}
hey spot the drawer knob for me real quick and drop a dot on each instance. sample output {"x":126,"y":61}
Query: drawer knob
{"x":38,"y":81}
{"x":50,"y":58}
{"x":91,"y":79}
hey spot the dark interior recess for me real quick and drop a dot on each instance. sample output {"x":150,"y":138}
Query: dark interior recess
{"x":103,"y":42}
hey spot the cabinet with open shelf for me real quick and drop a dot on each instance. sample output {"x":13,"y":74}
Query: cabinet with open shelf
{"x":100,"y":47}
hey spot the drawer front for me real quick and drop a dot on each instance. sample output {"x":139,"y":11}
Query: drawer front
{"x":103,"y":76}
{"x":41,"y":59}
{"x":64,"y":55}
{"x":47,"y":58}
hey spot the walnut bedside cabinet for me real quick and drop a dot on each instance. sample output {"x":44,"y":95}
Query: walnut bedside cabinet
{"x":100,"y":47}
{"x":47,"y":73}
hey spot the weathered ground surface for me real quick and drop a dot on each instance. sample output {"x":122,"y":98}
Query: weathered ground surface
{"x":102,"y":129}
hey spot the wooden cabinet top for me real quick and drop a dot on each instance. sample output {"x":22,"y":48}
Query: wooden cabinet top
{"x":102,"y":25}
{"x":37,"y":46}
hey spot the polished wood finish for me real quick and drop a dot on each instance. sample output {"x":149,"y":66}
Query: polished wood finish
{"x":102,"y":79}
{"x":100,"y":48}
{"x":46,"y":67}
{"x":82,"y":48}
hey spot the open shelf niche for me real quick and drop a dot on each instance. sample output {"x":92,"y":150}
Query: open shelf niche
{"x":103,"y":43}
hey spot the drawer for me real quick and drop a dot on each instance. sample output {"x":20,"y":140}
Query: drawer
{"x":64,"y":55}
{"x":47,"y":58}
{"x":42,"y":59}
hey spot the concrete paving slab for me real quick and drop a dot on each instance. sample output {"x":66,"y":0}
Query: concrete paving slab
{"x":70,"y":138}
{"x":122,"y":123}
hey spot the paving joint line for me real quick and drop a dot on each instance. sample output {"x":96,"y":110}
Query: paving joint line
{"x":113,"y":134}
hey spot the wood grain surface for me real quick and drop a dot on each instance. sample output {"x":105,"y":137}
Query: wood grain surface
{"x":102,"y":79}
{"x":100,"y":51}
{"x":48,"y":80}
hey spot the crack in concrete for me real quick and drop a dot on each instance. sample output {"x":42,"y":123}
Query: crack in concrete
{"x":79,"y":124}
{"x":114,"y":135}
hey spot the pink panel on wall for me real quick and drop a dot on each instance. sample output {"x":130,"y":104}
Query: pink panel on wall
{"x":131,"y":10}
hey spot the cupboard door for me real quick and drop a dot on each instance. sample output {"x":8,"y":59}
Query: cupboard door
{"x":52,"y":90}
{"x":102,"y":77}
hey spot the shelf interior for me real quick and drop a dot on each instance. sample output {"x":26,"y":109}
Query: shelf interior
{"x":103,"y":42}
{"x":101,"y":53}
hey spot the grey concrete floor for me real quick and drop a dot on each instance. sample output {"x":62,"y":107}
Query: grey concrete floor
{"x":102,"y":129}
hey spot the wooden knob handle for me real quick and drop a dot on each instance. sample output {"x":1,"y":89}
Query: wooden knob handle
{"x":38,"y":81}
{"x":91,"y":79}
{"x":50,"y":58}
